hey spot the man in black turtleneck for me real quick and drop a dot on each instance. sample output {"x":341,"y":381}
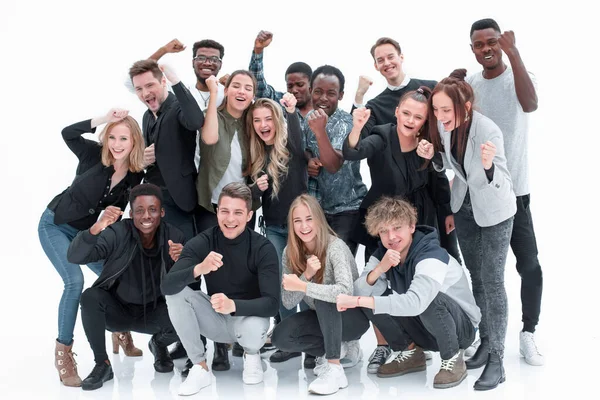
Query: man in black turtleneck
{"x":138,"y":252}
{"x":241,"y":270}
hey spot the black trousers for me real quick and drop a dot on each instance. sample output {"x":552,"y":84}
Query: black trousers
{"x":443,"y":327}
{"x":101,"y":311}
{"x":524,"y":247}
{"x":321,"y":331}
{"x":343,"y":224}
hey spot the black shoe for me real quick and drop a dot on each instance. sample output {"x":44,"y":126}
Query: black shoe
{"x":101,"y":373}
{"x":309,"y":361}
{"x":221,"y":358}
{"x":479,"y":359}
{"x":492,"y":375}
{"x":237,"y":350}
{"x":178,"y":351}
{"x":162,"y":359}
{"x":186,"y":370}
{"x":281,"y":356}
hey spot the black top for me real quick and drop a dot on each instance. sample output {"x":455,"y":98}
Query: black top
{"x":173,"y":133}
{"x":397,"y":173}
{"x":383,"y":106}
{"x":249,"y":275}
{"x":140,"y":283}
{"x":119,"y":245}
{"x":81,"y":203}
{"x":275,"y":210}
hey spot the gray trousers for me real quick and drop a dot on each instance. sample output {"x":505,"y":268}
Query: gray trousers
{"x":192,"y":315}
{"x":484,"y":252}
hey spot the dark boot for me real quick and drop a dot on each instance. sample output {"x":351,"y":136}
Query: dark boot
{"x":101,"y":373}
{"x":186,"y":370}
{"x":220,"y":358}
{"x":237,"y":350}
{"x":162,"y":359}
{"x":309,"y":361}
{"x":281,"y":356}
{"x":479,"y":359}
{"x":492,"y":375}
{"x":178,"y":351}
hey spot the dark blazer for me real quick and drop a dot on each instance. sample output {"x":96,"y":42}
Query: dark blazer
{"x":117,"y":245}
{"x":175,"y":144}
{"x":389,"y":173}
{"x":82,"y":198}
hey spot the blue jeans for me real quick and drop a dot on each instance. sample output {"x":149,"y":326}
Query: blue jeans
{"x":55,"y":240}
{"x":278,"y":235}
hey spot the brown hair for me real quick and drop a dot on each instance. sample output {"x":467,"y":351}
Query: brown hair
{"x":381,"y":42}
{"x":388,"y":210}
{"x":143,"y":66}
{"x":461,"y":93}
{"x":237,"y":190}
{"x":296,"y":251}
{"x":136,"y":156}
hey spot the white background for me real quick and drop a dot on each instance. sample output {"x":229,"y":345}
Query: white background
{"x":65,"y":61}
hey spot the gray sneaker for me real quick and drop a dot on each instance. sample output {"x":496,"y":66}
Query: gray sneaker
{"x":353,"y":354}
{"x":378,"y":358}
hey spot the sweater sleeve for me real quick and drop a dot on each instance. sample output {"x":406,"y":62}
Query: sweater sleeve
{"x":86,"y":248}
{"x":290,"y":299}
{"x":426,"y":284}
{"x":182,"y":272}
{"x":189,"y":113}
{"x":295,"y":135}
{"x":362,"y":287}
{"x":340,"y":259}
{"x":269,"y":281}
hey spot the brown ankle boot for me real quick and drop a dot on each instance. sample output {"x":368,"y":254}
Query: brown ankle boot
{"x":66,"y":365}
{"x":124,"y":340}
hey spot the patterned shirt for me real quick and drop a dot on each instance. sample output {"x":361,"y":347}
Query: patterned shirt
{"x":344,"y":190}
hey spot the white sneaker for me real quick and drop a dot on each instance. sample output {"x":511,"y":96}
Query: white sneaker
{"x":353,"y":354}
{"x":320,"y":365}
{"x":428,"y":355}
{"x":253,"y":372}
{"x":197,"y":379}
{"x":529,"y":349}
{"x":331,"y":379}
{"x":472,"y":348}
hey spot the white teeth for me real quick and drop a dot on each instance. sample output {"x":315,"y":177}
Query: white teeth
{"x":146,"y":224}
{"x":240,"y":98}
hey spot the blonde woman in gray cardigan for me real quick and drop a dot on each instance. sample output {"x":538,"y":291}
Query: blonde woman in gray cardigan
{"x":318,"y":266}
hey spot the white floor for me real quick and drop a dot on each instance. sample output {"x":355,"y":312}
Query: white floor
{"x":26,"y":369}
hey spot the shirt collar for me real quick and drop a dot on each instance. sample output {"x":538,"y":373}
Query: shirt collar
{"x":402,"y":85}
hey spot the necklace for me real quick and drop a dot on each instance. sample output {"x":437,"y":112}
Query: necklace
{"x":205,"y":99}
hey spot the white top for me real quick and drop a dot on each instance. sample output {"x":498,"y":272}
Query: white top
{"x":497,"y":99}
{"x":233,"y":173}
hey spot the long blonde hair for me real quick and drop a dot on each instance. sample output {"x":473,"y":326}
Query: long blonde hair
{"x":296,"y":251}
{"x":277,"y":168}
{"x":136,"y":156}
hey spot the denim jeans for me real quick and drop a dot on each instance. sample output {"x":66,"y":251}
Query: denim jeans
{"x":524,"y":247}
{"x":55,"y":240}
{"x":484,"y":251}
{"x":443,"y":327}
{"x":321,"y":331}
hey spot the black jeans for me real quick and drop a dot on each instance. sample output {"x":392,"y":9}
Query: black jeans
{"x":443,"y":327}
{"x":343,"y":224}
{"x":101,"y":311}
{"x":524,"y":247}
{"x":320,"y":331}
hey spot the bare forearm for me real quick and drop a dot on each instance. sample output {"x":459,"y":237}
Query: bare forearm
{"x":524,"y":87}
{"x":210,"y":130}
{"x":331,"y":159}
{"x":158,"y":54}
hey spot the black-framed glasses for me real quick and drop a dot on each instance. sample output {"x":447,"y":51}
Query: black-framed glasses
{"x":210,"y":60}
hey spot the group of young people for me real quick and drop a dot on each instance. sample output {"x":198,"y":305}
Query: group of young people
{"x":212,"y":153}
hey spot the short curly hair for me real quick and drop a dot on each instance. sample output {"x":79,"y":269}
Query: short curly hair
{"x":388,"y":210}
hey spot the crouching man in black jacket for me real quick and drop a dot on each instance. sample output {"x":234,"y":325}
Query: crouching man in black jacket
{"x":127,"y":297}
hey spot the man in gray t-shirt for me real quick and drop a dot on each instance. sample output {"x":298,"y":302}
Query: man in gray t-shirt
{"x":506,"y":95}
